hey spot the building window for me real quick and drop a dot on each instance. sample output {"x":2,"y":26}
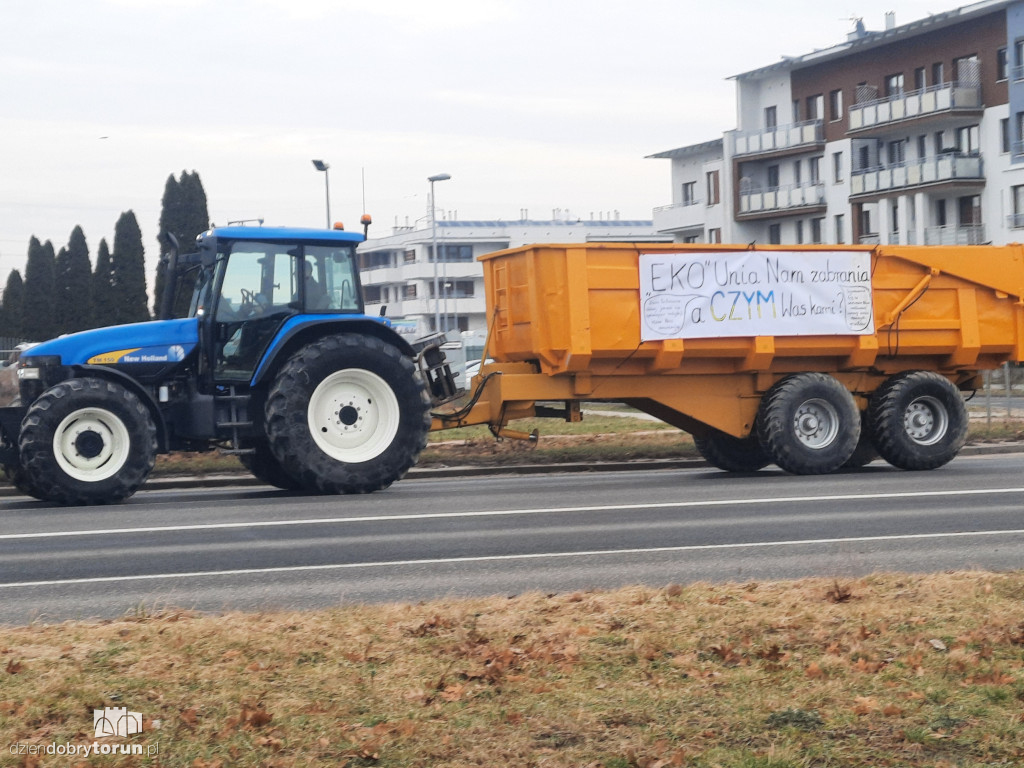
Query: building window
{"x":814,"y":165}
{"x":450,"y":253}
{"x":796,"y":110}
{"x":837,"y":167}
{"x":797,"y":178}
{"x":817,"y":227}
{"x":967,"y":139}
{"x":409,"y":257}
{"x":371,"y":294}
{"x":691,"y":238}
{"x":409,"y":291}
{"x":840,"y":224}
{"x":897,"y":152}
{"x":713,"y":188}
{"x":815,"y":107}
{"x":770,"y":117}
{"x":937,"y":75}
{"x":689,"y":192}
{"x":714,"y":235}
{"x":920,"y":79}
{"x":1004,"y":135}
{"x":773,"y":177}
{"x":1002,"y":65}
{"x":799,"y":233}
{"x":1017,"y":218}
{"x":940,"y":213}
{"x":865,"y":224}
{"x":835,"y":105}
{"x":922,"y":147}
{"x":775,"y":234}
{"x":894,"y":84}
{"x":966,"y":69}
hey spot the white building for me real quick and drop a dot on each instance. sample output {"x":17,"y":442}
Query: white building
{"x":913,"y":135}
{"x":398,"y":271}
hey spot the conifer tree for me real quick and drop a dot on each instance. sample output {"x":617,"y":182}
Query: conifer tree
{"x":38,"y":319}
{"x":184,"y":214}
{"x":10,"y":307}
{"x":73,"y":284}
{"x":128,"y":268}
{"x":103,"y":296}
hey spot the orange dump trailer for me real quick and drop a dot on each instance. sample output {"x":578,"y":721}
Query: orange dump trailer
{"x":812,"y":358}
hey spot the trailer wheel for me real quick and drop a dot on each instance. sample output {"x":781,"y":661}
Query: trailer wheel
{"x":733,"y":454}
{"x":86,"y":441}
{"x":264,"y":466}
{"x":347,"y":414}
{"x":865,"y":452}
{"x":808,"y":424}
{"x":919,"y":420}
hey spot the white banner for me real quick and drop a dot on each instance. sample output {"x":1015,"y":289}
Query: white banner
{"x":699,"y":295}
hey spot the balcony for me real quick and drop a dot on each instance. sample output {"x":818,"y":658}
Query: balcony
{"x":965,"y":234}
{"x":781,"y":201}
{"x":937,"y":100}
{"x":1015,"y":221}
{"x":779,"y":140}
{"x":939,"y":169}
{"x":679,"y":216}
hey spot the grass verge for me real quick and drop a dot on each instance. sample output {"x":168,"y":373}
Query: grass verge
{"x":888,"y":670}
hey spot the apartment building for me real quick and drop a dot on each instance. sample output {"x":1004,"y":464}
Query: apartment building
{"x":398,"y":271}
{"x":913,"y":134}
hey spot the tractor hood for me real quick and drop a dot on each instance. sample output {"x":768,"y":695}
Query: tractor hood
{"x":160,"y":342}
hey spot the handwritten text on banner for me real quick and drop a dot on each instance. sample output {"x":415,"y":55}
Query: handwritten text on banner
{"x":695,"y":295}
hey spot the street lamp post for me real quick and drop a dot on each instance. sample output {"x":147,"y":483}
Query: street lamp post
{"x":320,"y":165}
{"x":433,"y":226}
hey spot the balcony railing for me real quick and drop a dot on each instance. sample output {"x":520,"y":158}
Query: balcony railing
{"x":783,"y":137}
{"x":965,"y":234}
{"x":1015,"y":221}
{"x":782,"y":198}
{"x":947,"y":97}
{"x":679,"y":216}
{"x":916,"y":173}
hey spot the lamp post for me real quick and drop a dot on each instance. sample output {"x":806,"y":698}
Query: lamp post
{"x":433,"y":226}
{"x":320,"y":165}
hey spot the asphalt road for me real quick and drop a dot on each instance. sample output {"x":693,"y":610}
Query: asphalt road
{"x":251,"y":548}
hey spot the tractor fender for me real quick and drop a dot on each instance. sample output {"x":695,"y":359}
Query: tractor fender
{"x":297,"y":332}
{"x":112,"y":374}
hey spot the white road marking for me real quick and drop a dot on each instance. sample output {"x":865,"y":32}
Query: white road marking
{"x":505,"y":558}
{"x":511,"y":512}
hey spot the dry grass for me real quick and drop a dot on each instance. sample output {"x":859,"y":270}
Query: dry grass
{"x":889,"y":670}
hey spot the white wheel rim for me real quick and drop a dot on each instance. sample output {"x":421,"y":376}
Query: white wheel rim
{"x":91,"y":444}
{"x":353,"y":415}
{"x":816,"y":423}
{"x":926,"y":421}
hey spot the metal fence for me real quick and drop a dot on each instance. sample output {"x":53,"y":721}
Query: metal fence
{"x":1002,"y":397}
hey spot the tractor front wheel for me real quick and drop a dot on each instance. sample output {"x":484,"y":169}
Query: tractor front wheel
{"x":86,"y":441}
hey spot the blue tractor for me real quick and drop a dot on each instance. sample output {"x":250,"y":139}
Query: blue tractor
{"x":274,"y":360}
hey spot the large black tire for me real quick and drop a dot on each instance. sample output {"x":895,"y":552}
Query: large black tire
{"x":86,"y":441}
{"x":347,"y":414}
{"x":808,"y":424}
{"x":865,"y":452}
{"x":733,"y":454}
{"x":265,"y":466}
{"x":918,"y":420}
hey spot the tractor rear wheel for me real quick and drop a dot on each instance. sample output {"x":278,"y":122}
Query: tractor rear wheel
{"x":264,"y":466}
{"x":347,"y":414}
{"x":86,"y":441}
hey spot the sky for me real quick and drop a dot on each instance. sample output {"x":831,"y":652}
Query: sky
{"x":527,"y":104}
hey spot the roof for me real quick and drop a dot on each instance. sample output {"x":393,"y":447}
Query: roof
{"x":870,"y":40}
{"x":289,"y":234}
{"x":693,"y":149}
